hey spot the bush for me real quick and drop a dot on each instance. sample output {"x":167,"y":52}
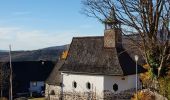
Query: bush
{"x":143,"y":95}
{"x":164,"y":87}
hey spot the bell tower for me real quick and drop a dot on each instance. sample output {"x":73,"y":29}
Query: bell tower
{"x":112,"y":32}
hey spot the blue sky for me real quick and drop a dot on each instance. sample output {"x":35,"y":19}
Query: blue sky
{"x":34,"y":24}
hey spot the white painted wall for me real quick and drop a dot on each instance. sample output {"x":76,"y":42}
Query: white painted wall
{"x":99,"y":82}
{"x":128,"y":82}
{"x":36,"y":88}
{"x":96,"y":83}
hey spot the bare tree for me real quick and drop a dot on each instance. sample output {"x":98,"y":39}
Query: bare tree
{"x":147,"y":18}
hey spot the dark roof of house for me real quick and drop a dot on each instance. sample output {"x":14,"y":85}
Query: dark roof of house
{"x":55,"y":76}
{"x":88,"y":55}
{"x":31,"y":70}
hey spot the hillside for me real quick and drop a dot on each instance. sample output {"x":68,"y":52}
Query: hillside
{"x":50,"y":53}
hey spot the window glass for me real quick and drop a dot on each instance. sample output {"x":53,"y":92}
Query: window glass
{"x":115,"y":87}
{"x":74,"y":84}
{"x":88,"y":85}
{"x":34,"y":83}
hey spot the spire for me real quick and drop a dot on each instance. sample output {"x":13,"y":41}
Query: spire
{"x":112,"y":22}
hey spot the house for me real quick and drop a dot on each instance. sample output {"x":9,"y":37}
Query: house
{"x":29,"y":76}
{"x":99,"y":65}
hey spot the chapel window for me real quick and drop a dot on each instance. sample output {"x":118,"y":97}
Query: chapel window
{"x":74,"y":84}
{"x":115,"y":87}
{"x":88,"y":85}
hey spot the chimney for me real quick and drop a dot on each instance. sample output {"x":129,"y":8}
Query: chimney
{"x":112,"y":32}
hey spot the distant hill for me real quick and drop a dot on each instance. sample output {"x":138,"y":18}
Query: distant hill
{"x":50,"y":53}
{"x":53,"y":53}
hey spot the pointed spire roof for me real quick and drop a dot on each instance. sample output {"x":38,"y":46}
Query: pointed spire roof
{"x":112,"y":17}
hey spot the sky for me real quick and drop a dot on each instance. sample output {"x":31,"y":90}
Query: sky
{"x":35,"y":24}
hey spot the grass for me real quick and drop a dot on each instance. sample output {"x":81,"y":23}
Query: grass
{"x":37,"y":99}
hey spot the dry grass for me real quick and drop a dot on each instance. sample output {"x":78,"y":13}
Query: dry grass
{"x":37,"y":99}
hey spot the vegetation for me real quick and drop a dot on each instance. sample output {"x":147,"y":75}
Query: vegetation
{"x":147,"y":18}
{"x":64,"y":54}
{"x":146,"y":94}
{"x":165,"y":87}
{"x":38,"y":99}
{"x":146,"y":77}
{"x":143,"y":96}
{"x":4,"y":75}
{"x":163,"y":82}
{"x":51,"y":53}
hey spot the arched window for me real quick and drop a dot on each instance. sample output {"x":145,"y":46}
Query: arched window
{"x":115,"y":87}
{"x":88,"y":85}
{"x":74,"y":84}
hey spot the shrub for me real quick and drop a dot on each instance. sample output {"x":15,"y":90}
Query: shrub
{"x":143,"y":95}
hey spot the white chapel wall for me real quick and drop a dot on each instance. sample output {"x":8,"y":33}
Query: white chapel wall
{"x":81,"y":80}
{"x":123,"y":82}
{"x":99,"y":83}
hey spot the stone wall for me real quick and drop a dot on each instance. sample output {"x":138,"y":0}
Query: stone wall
{"x":52,"y":91}
{"x":124,"y":95}
{"x":80,"y":96}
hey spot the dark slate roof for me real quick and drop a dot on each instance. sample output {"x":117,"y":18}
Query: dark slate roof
{"x":31,"y":70}
{"x":88,"y":55}
{"x":55,"y":76}
{"x":127,"y":63}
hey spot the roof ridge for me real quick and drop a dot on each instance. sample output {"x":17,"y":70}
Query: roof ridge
{"x":88,"y":37}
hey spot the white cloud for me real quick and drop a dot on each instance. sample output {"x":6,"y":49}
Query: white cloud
{"x":35,"y":39}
